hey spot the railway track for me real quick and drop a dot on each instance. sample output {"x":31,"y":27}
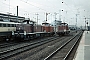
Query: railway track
{"x":35,"y":50}
{"x":13,"y":43}
{"x":7,"y":53}
{"x":4,"y":53}
{"x":3,"y":45}
{"x":64,"y":51}
{"x":42,"y":51}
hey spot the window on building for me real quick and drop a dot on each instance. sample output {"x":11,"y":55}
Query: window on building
{"x":4,"y":25}
{"x":8,"y":25}
{"x":12,"y":25}
{"x":0,"y":25}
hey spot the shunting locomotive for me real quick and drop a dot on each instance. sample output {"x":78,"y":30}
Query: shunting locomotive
{"x":29,"y":30}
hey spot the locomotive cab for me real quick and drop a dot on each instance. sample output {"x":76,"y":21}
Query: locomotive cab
{"x":63,"y":29}
{"x":24,"y":31}
{"x":48,"y":29}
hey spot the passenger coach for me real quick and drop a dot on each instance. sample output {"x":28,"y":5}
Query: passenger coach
{"x":6,"y":29}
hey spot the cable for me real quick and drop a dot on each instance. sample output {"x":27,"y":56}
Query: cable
{"x":34,"y":6}
{"x":13,"y":7}
{"x":67,"y":6}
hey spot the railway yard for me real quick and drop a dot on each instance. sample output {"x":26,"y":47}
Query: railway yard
{"x":47,"y":48}
{"x":44,"y":30}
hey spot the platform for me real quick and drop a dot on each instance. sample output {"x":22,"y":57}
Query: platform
{"x":83,"y":51}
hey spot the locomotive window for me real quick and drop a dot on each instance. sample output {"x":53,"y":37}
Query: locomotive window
{"x":47,"y":24}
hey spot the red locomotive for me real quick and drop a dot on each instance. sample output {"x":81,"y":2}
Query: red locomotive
{"x":30,"y":30}
{"x":62,"y":29}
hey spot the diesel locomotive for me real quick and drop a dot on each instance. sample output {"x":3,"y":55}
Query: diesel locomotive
{"x":29,"y":30}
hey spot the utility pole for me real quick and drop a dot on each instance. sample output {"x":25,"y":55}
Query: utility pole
{"x":37,"y":18}
{"x":65,"y":17}
{"x":85,"y":23}
{"x":55,"y":21}
{"x":46,"y":16}
{"x":60,"y":15}
{"x":9,"y":6}
{"x":76,"y":22}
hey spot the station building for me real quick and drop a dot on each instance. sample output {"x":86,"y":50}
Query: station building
{"x":11,"y":18}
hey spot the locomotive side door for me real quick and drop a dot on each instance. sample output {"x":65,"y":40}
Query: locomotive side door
{"x":32,"y":28}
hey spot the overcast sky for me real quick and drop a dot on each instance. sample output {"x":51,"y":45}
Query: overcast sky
{"x":29,"y":9}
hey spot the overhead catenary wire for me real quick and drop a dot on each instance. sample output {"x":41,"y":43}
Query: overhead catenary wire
{"x":63,"y":2}
{"x":34,"y":5}
{"x":14,"y":7}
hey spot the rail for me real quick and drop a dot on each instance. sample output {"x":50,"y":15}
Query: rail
{"x":4,"y":54}
{"x":52,"y":54}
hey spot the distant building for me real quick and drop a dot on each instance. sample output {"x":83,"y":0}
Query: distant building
{"x":72,"y":27}
{"x":11,"y":18}
{"x":57,"y":22}
{"x":88,"y":28}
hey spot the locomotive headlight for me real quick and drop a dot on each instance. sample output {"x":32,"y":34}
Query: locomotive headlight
{"x":12,"y":32}
{"x":19,"y":28}
{"x":24,"y":32}
{"x":64,"y":30}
